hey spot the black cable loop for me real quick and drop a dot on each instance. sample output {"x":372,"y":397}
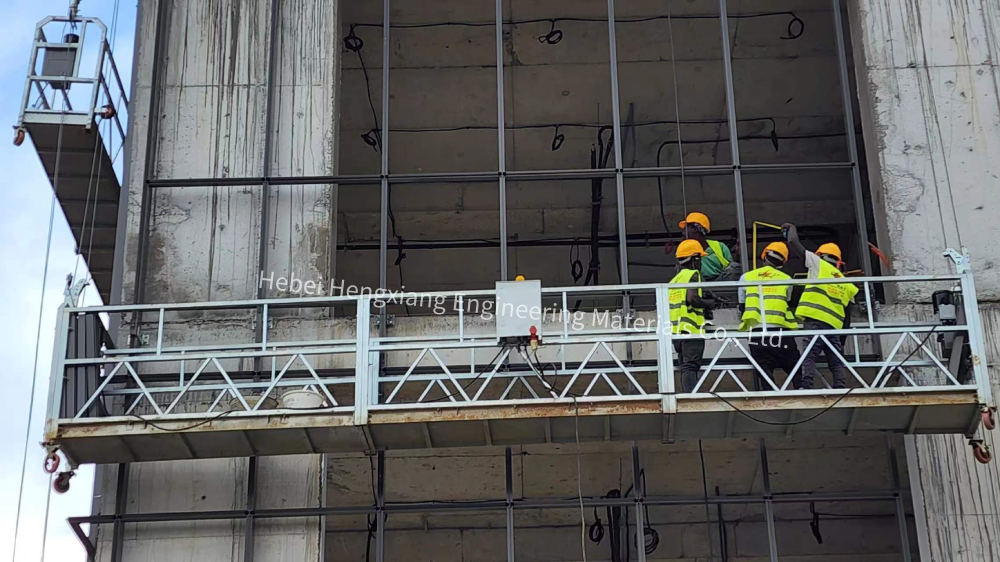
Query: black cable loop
{"x":792,"y":32}
{"x":557,"y":139}
{"x":553,"y":36}
{"x":352,"y":42}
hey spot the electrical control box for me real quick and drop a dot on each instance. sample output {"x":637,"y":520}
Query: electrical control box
{"x":519,"y":309}
{"x":61,"y":61}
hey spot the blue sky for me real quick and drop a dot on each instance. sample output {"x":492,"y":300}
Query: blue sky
{"x":25,"y":203}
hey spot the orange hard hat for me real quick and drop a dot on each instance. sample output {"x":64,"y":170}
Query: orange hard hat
{"x":689,"y":248}
{"x":777,"y":247}
{"x":697,"y":218}
{"x":831,"y":249}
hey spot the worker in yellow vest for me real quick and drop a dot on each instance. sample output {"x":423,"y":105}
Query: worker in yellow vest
{"x":688,"y":309}
{"x":774,"y":310}
{"x":823,"y":307}
{"x":718,"y":264}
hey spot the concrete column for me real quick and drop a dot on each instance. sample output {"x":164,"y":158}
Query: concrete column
{"x":928,"y":81}
{"x":203,"y":242}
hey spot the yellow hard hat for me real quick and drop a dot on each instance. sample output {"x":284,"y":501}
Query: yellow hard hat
{"x":776,"y":247}
{"x":831,"y":249}
{"x":519,"y":278}
{"x":689,"y":248}
{"x":697,"y":218}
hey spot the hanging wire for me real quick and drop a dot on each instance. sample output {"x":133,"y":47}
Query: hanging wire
{"x":45,"y":523}
{"x":38,"y":335}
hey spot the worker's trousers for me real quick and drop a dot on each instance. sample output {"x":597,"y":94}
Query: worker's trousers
{"x":774,"y":352}
{"x":809,"y":369}
{"x":691,"y":354}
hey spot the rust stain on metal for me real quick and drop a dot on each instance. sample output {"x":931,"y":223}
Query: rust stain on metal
{"x":107,"y":427}
{"x":531,"y":411}
{"x":713,"y":404}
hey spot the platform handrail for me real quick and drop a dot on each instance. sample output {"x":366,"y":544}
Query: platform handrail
{"x":614,"y":364}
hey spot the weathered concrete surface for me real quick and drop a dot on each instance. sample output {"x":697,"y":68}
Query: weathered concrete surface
{"x":928,"y":84}
{"x":204,"y":242}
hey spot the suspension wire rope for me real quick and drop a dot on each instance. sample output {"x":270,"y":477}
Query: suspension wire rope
{"x":38,"y":335}
{"x":98,"y":162}
{"x":45,"y":520}
{"x":95,"y":162}
{"x":677,"y":114}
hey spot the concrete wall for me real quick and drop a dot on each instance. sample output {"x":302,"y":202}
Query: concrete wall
{"x":929,"y":87}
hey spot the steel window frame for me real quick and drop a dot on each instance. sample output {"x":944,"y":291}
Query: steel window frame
{"x":381,"y":508}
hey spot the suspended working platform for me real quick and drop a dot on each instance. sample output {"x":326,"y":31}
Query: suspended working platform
{"x":74,"y":118}
{"x":333,"y":374}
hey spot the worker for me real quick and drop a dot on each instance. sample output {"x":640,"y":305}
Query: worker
{"x":823,"y":307}
{"x":774,"y":310}
{"x":688,"y":311}
{"x":718,"y":264}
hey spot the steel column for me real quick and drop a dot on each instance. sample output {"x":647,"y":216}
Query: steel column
{"x":852,"y":141}
{"x":734,"y":141}
{"x":508,"y":471}
{"x":248,"y":521}
{"x":772,"y":542}
{"x":383,"y":251}
{"x":617,"y":129}
{"x":640,"y":498}
{"x":380,"y":506}
{"x":121,"y":497}
{"x":501,"y":143}
{"x":152,"y":126}
{"x":904,"y":535}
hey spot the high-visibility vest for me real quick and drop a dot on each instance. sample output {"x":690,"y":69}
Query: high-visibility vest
{"x":826,"y":303}
{"x":716,"y":247}
{"x":775,"y":301}
{"x":684,"y":318}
